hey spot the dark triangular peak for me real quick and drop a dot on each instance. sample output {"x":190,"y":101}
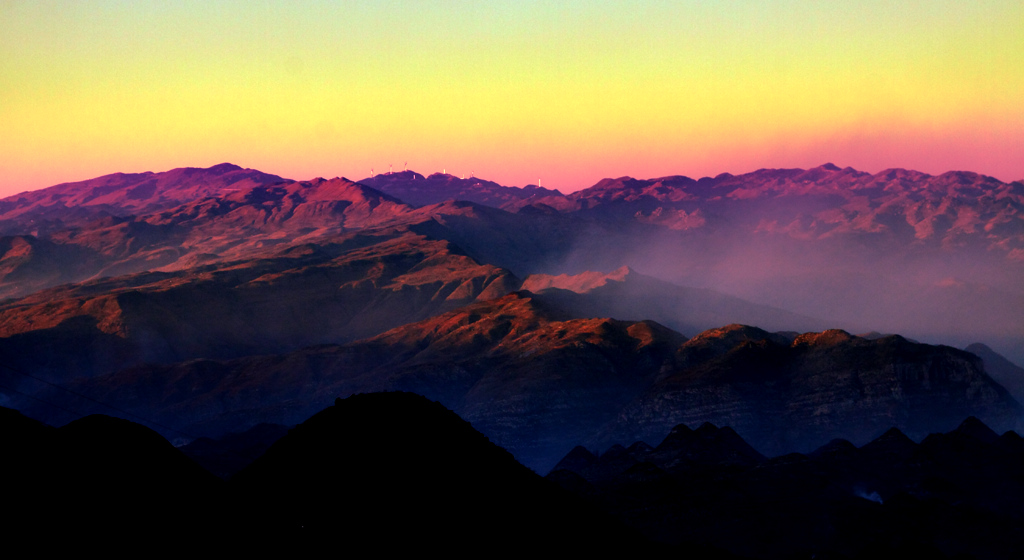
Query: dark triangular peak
{"x":835,"y":449}
{"x":705,"y":446}
{"x":577,"y":460}
{"x":680,"y":435}
{"x":733,"y":447}
{"x":611,"y":463}
{"x":976,"y":429}
{"x":707,"y":430}
{"x":381,"y":464}
{"x":640,"y":450}
{"x":891,"y":443}
{"x":970,"y":445}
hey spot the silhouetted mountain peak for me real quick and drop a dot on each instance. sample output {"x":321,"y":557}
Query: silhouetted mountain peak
{"x":836,"y":448}
{"x":976,"y":429}
{"x":415,"y":189}
{"x":892,"y":442}
{"x":639,"y":449}
{"x":706,"y":430}
{"x":577,"y":460}
{"x":222,"y":168}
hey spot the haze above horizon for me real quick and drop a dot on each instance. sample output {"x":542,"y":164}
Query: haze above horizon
{"x":511,"y":92}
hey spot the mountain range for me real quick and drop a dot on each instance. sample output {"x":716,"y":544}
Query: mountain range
{"x":537,"y":380}
{"x":953,"y":494}
{"x":223,"y":306}
{"x":381,"y":467}
{"x":936,"y":258}
{"x":103,"y":482}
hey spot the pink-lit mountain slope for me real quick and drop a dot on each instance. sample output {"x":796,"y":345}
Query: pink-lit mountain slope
{"x":931,"y":257}
{"x":358,"y":286}
{"x":123,"y":194}
{"x":953,"y":209}
{"x":213,"y":229}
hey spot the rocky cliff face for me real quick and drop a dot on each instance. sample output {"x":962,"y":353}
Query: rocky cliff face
{"x":784,"y":396}
{"x":538,"y":381}
{"x":306,"y":295}
{"x":533,"y":379}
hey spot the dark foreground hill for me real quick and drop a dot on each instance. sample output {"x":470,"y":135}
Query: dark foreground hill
{"x":399,"y":472}
{"x":102,"y":483}
{"x":391,"y":472}
{"x":958,"y":493}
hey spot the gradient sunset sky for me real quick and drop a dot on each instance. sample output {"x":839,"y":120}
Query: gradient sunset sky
{"x":568,"y":92}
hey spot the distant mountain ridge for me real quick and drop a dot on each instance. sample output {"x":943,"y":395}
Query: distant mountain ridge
{"x":124,"y":194}
{"x":951,"y":209}
{"x":708,"y":485}
{"x":418,"y":190}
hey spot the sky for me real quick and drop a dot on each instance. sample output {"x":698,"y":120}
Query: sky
{"x":565,"y":93}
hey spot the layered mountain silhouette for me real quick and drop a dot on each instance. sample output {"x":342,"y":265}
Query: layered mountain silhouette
{"x":391,"y":470}
{"x":376,"y":467}
{"x":398,"y":471}
{"x":224,"y":304}
{"x":953,"y":493}
{"x":537,"y":381}
{"x":932,"y":257}
{"x":950,"y":209}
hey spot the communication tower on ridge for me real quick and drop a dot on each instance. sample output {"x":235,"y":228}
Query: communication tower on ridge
{"x":389,"y":168}
{"x":406,"y":166}
{"x":371,"y":172}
